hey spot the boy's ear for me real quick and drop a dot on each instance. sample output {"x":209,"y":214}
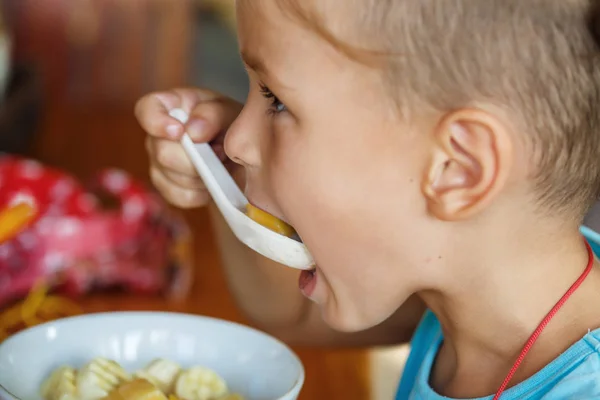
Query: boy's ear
{"x":470,"y":163}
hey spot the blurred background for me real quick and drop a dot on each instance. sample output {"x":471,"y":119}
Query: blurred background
{"x":70,"y":73}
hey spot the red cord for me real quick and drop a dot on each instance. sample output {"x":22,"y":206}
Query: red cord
{"x":540,"y":328}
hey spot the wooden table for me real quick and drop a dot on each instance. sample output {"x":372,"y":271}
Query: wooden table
{"x":91,"y":83}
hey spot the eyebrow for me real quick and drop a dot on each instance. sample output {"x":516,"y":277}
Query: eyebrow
{"x":254,"y":63}
{"x":257,"y":65}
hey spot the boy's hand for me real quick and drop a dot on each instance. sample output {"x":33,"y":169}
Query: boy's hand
{"x":170,"y":169}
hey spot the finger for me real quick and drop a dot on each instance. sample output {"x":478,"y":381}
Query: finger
{"x":175,"y":195}
{"x":152,"y":110}
{"x":153,"y":115}
{"x":196,"y":95}
{"x":209,"y":120}
{"x":186,"y":99}
{"x":181,"y":180}
{"x":170,"y":155}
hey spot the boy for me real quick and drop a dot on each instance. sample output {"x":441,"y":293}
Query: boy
{"x":431,"y":154}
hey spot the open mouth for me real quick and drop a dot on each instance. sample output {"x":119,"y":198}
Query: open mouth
{"x":308,"y":281}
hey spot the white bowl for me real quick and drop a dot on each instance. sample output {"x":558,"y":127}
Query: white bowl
{"x":253,"y":364}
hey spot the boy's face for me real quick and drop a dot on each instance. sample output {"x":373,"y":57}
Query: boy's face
{"x":324,"y":150}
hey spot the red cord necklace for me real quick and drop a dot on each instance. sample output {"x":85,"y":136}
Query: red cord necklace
{"x":536,"y":334}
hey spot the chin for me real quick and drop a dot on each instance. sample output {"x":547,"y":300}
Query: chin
{"x":345,"y":322}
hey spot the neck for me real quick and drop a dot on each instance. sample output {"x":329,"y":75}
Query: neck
{"x":490,"y":310}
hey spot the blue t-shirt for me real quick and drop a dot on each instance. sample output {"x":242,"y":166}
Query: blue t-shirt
{"x":575,"y":375}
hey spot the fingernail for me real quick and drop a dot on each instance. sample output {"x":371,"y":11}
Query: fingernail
{"x":174,"y":131}
{"x":197,"y":130}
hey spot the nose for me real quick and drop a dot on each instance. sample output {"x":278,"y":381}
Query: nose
{"x":242,"y":142}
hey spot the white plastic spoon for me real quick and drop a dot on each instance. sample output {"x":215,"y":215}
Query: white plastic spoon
{"x":231,"y":202}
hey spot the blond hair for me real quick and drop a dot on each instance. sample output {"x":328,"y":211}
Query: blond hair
{"x":537,"y":60}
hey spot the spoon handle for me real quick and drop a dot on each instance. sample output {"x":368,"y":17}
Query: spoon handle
{"x":215,"y":176}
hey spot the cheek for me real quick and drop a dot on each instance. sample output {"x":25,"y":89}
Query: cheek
{"x":354,"y":204}
{"x":344,"y":201}
{"x":362,"y":274}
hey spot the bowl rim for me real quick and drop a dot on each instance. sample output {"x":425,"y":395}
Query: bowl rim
{"x":294,"y":389}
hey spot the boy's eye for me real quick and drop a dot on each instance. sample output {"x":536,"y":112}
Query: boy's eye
{"x":276,"y":105}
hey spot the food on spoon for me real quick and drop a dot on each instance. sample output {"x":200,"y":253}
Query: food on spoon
{"x":161,"y":373}
{"x":138,"y":389}
{"x":99,"y":378}
{"x":60,"y":385}
{"x":269,"y":221}
{"x":200,"y":383}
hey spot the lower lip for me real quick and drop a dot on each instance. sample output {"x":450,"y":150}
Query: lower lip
{"x":307,"y":282}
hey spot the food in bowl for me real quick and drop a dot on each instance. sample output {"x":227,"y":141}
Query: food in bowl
{"x":137,"y":389}
{"x":103,"y":379}
{"x":269,"y":221}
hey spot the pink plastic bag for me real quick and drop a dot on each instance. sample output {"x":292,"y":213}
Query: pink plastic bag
{"x":75,"y":244}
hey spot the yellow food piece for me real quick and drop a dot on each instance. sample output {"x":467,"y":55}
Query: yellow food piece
{"x":37,"y":308}
{"x":269,"y":221}
{"x":200,"y":383}
{"x":161,"y":373}
{"x":60,"y":385}
{"x":14,"y":219}
{"x":226,"y":397}
{"x":11,"y":318}
{"x":32,"y":304}
{"x":139,"y":389}
{"x":103,"y":379}
{"x":99,"y":378}
{"x":55,"y":306}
